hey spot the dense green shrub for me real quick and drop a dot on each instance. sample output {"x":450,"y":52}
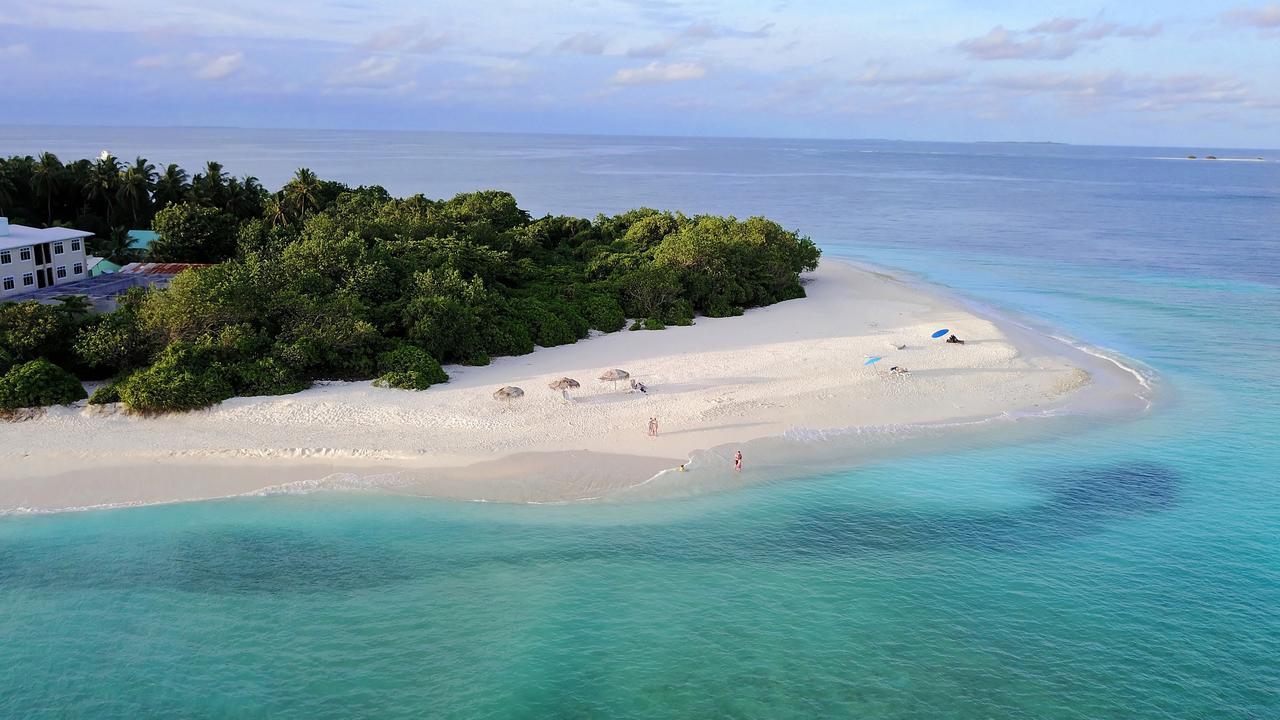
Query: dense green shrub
{"x":107,"y":393}
{"x":679,"y":312}
{"x":184,"y":377}
{"x":30,"y":330}
{"x":36,"y":383}
{"x":113,"y":345}
{"x":408,"y":367}
{"x":265,"y":376}
{"x":603,"y":313}
{"x":188,"y":232}
{"x":654,"y":324}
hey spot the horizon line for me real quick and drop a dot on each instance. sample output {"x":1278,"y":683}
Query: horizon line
{"x":545,"y":133}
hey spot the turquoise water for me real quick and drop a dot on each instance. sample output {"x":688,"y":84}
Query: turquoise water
{"x":1128,"y":571}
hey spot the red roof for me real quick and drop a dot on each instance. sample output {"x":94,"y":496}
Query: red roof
{"x":158,"y":268}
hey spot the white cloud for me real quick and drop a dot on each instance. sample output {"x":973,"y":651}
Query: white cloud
{"x":1054,"y":39}
{"x":656,"y":72}
{"x":653,"y":50}
{"x":153,"y":62}
{"x":877,"y":75}
{"x":374,"y":71}
{"x":1134,"y":92}
{"x":584,"y":43}
{"x":698,"y":32}
{"x":220,"y":67}
{"x":1057,"y":26}
{"x":412,"y":37}
{"x":498,"y":75}
{"x":1265,"y":17}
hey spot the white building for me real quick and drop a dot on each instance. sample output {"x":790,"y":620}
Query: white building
{"x":32,"y":258}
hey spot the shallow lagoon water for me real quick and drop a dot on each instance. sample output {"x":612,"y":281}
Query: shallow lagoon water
{"x":1124,"y":570}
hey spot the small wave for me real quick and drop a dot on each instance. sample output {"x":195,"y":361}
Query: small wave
{"x":349,"y":482}
{"x":1103,"y":354}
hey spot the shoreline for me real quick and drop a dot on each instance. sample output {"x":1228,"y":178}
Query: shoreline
{"x":784,"y":383}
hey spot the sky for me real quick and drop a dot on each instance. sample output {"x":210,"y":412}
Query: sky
{"x":1175,"y":72}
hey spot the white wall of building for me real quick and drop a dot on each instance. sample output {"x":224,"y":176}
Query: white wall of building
{"x":18,"y":256}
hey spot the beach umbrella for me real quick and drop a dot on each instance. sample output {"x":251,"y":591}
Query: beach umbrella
{"x":940,"y":333}
{"x":872,"y":361}
{"x":510,"y":392}
{"x":564,"y":383}
{"x":615,"y":375}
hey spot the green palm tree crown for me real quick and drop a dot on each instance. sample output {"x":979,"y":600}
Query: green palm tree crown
{"x":104,"y":183}
{"x":136,"y":183}
{"x":302,"y":192}
{"x":45,"y":180}
{"x":7,"y":192}
{"x":171,"y":187}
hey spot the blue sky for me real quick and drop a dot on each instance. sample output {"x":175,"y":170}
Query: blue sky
{"x":1140,"y":72}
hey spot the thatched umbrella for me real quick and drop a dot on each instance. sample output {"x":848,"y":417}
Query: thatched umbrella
{"x":615,"y":375}
{"x":565,"y":383}
{"x":510,"y":392}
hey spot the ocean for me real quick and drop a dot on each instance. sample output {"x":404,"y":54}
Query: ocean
{"x":1126,"y":570}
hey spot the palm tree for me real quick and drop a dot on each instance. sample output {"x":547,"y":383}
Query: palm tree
{"x":171,"y":187}
{"x":7,"y":191}
{"x":45,"y":178}
{"x":104,"y":182}
{"x":303,"y":192}
{"x":276,"y":212}
{"x":247,"y":200}
{"x":136,"y":184}
{"x":115,"y":247}
{"x":210,"y":188}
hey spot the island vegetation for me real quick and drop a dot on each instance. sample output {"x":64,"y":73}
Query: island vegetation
{"x":320,"y":281}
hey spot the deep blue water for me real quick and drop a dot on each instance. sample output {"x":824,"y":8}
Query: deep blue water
{"x":1128,"y":571}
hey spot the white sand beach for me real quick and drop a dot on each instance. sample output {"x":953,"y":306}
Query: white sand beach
{"x":719,"y":384}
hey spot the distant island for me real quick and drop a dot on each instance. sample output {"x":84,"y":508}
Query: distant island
{"x":321,"y":281}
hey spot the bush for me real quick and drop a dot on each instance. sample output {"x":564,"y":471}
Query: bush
{"x":408,"y":367}
{"x":679,"y":312}
{"x":265,"y":376}
{"x":603,"y":313}
{"x":38,"y":383}
{"x":7,"y":360}
{"x":193,"y":233}
{"x":637,"y":325}
{"x":29,"y":330}
{"x":112,"y":345}
{"x":108,"y":393}
{"x":183,"y":378}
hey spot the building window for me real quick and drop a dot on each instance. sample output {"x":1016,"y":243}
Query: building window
{"x":62,"y":271}
{"x":57,"y":248}
{"x":77,"y":269}
{"x":28,"y":280}
{"x":24,"y":253}
{"x":5,"y":257}
{"x":8,"y":283}
{"x":75,"y":245}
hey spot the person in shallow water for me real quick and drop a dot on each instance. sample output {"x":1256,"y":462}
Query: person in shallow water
{"x":955,"y":340}
{"x":737,"y":461}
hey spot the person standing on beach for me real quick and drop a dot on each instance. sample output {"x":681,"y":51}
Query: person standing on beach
{"x":737,"y":461}
{"x":653,"y":427}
